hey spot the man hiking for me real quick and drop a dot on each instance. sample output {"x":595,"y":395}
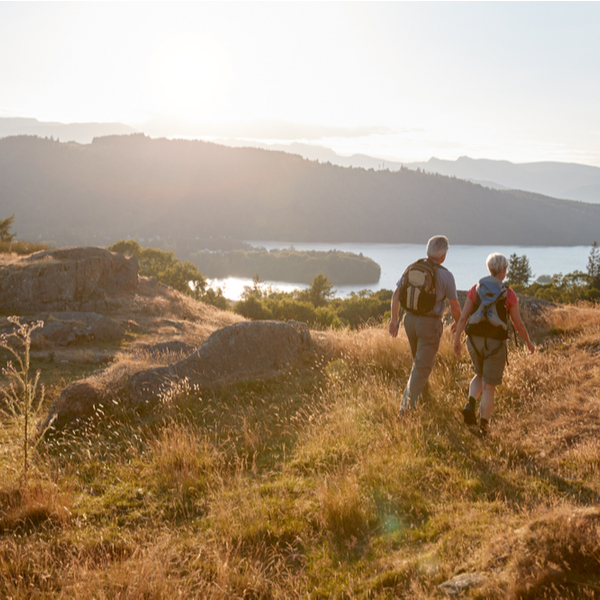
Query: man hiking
{"x":488,"y":306}
{"x":422,"y":292}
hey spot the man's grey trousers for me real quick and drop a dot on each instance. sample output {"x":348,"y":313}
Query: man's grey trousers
{"x":424,"y":335}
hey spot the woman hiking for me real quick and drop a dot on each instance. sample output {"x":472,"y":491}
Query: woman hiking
{"x":484,"y":317}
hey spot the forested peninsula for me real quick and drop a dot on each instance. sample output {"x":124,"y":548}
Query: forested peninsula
{"x":174,"y":193}
{"x":342,"y":268}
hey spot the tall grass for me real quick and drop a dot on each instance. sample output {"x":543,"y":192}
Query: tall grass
{"x":309,"y":486}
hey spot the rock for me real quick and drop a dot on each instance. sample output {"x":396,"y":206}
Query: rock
{"x":240,"y":352}
{"x":106,"y":330}
{"x":59,"y":333}
{"x":66,"y":278}
{"x":77,"y":401}
{"x":459,"y":584}
{"x":69,"y":327}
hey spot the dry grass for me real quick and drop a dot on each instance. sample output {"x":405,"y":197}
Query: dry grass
{"x":29,"y":508}
{"x":9,"y":251}
{"x":308,"y":486}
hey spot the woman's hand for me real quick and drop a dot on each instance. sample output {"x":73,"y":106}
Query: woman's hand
{"x":457,"y":345}
{"x":393,"y":328}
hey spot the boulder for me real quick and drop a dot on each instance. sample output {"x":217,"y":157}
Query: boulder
{"x":78,"y":401}
{"x":66,"y":279}
{"x":240,"y":352}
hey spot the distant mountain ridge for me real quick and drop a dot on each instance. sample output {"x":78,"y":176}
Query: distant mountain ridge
{"x":82,"y":133}
{"x":568,"y":181}
{"x":180,"y":192}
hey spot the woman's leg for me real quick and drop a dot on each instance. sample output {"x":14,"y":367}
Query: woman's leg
{"x":487,"y":400}
{"x":476,"y":386}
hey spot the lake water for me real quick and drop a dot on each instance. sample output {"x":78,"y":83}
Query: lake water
{"x":467,"y":263}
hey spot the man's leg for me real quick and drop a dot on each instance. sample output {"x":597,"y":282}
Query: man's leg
{"x":428,"y":335}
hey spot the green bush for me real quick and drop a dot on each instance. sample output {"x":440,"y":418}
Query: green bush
{"x":165,"y":266}
{"x":252,"y":308}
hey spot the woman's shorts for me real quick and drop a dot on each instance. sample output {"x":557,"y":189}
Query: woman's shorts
{"x":488,"y":357}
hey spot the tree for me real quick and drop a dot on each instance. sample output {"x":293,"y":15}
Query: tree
{"x":593,"y":265}
{"x":519,"y":270}
{"x":321,"y":290}
{"x":165,"y":266}
{"x":5,"y":227}
{"x":127,"y":248}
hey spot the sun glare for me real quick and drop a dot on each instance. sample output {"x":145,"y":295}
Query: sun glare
{"x":190,"y":76}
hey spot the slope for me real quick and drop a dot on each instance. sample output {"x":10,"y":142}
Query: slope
{"x":180,"y":190}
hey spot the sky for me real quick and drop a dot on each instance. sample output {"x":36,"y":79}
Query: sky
{"x":403,"y":81}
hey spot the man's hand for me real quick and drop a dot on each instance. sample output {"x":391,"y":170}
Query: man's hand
{"x":393,"y":328}
{"x":453,"y":327}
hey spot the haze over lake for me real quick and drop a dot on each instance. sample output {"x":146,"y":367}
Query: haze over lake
{"x":467,"y":263}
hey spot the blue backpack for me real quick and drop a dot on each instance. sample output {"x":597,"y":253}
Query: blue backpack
{"x":490,"y":317}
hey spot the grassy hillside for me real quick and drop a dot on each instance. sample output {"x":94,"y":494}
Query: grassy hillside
{"x":183,"y":192}
{"x":310,"y":486}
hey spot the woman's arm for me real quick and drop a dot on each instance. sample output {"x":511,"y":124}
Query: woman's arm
{"x":462,"y":321}
{"x":515,"y":315}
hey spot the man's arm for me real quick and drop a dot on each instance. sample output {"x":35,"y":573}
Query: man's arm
{"x":462,"y":322}
{"x":395,"y":310}
{"x":455,"y":310}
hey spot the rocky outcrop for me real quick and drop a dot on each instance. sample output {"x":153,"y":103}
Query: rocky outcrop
{"x":240,"y":352}
{"x":83,"y":279}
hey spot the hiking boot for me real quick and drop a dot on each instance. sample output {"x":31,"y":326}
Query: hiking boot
{"x":469,"y":412}
{"x":484,"y":428}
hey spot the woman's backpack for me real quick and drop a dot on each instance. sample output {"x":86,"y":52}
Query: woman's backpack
{"x":490,"y":317}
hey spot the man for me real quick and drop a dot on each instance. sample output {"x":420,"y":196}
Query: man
{"x":425,"y":331}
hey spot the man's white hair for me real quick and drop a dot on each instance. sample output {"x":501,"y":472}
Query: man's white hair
{"x":496,"y":263}
{"x":437,"y":246}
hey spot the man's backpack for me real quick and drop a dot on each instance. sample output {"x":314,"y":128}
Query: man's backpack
{"x":418,"y":287}
{"x":490,"y":317}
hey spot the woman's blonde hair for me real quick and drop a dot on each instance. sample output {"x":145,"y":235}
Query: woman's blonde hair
{"x":496,"y":263}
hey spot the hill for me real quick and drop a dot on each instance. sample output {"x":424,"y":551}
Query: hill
{"x":560,"y":180}
{"x":569,"y":181}
{"x":82,"y":133}
{"x":307,"y":484}
{"x":182,"y":191}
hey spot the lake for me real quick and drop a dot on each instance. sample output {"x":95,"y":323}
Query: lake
{"x":467,"y":263}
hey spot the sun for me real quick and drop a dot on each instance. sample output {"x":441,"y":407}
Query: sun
{"x":189,"y":76}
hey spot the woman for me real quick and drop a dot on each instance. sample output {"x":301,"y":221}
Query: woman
{"x":485,"y":317}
